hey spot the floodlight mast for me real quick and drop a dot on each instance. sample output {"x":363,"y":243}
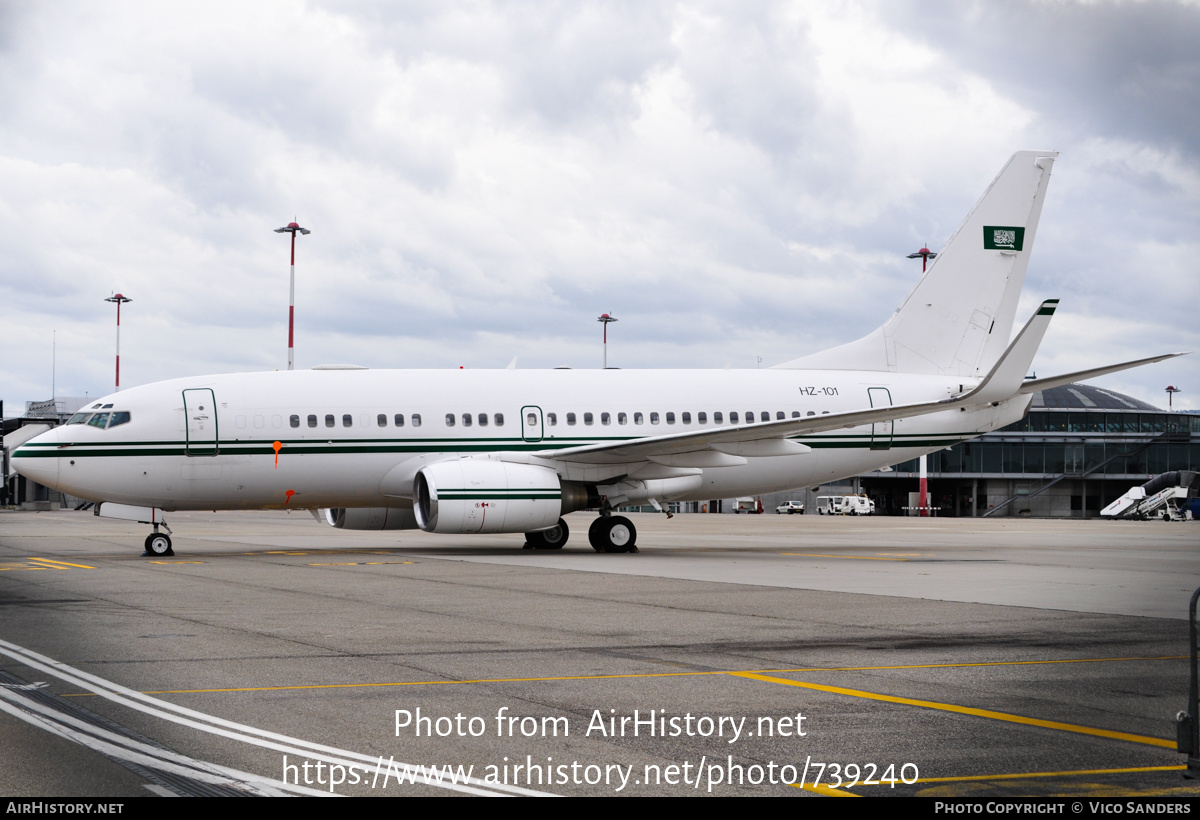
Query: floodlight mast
{"x":118,"y":298}
{"x":923,"y":503}
{"x":605,"y":319}
{"x":293,"y":229}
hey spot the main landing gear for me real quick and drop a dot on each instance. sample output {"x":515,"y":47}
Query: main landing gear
{"x":613,"y":533}
{"x":158,"y":544}
{"x":608,"y":533}
{"x":551,"y":539}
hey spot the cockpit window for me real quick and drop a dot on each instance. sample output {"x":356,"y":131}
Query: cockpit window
{"x":79,"y":418}
{"x":121,"y":417}
{"x":99,"y":420}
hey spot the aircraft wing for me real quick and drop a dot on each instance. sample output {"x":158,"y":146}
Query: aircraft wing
{"x":765,"y":439}
{"x":1034,"y":385}
{"x":729,"y":445}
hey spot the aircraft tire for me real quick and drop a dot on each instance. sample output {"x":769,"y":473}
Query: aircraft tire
{"x":552,"y":539}
{"x":613,"y":534}
{"x":594,"y":535}
{"x":159,"y":545}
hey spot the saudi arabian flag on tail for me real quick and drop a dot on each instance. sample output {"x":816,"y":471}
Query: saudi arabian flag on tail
{"x":996,"y":238}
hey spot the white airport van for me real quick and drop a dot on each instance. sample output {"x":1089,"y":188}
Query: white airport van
{"x":845,"y":505}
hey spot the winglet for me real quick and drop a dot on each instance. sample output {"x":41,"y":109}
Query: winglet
{"x":1007,"y":375}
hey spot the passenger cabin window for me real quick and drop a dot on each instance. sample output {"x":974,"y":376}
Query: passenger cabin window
{"x":381,"y":419}
{"x":733,"y":417}
{"x":718,"y":418}
{"x":329,"y":421}
{"x":483,"y":420}
{"x":778,"y":415}
{"x":622,"y":418}
{"x":398,"y":419}
{"x":587,"y":419}
{"x":570,"y":418}
{"x":637,"y":418}
{"x":654,"y":418}
{"x":294,"y":421}
{"x":347,"y":420}
{"x":531,"y":419}
{"x":749,"y":417}
{"x":552,"y":419}
{"x":449,"y":419}
{"x":466,"y":419}
{"x":795,"y":414}
{"x":605,"y":419}
{"x":686,"y":418}
{"x":702,"y":417}
{"x":312,"y":420}
{"x":416,"y":419}
{"x":670,"y":418}
{"x":498,"y":419}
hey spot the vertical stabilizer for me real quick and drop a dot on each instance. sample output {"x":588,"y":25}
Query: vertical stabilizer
{"x":958,"y":319}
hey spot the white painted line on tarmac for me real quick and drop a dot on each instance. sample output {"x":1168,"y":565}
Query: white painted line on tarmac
{"x":224,"y":728}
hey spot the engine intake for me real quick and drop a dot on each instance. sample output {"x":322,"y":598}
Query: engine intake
{"x":472,"y":495}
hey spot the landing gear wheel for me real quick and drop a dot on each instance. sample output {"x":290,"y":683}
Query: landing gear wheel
{"x":594,"y":535}
{"x":159,"y":544}
{"x":551,"y":539}
{"x":613,"y":534}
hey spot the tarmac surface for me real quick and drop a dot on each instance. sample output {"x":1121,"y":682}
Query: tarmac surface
{"x":734,"y":655}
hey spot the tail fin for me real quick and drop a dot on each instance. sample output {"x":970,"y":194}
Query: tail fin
{"x":958,"y":318}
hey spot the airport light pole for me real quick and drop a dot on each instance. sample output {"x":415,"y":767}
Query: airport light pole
{"x":605,"y":319}
{"x":924,"y":255}
{"x":923,"y":503}
{"x":293,"y":229}
{"x":118,"y":298}
{"x":1171,"y":391}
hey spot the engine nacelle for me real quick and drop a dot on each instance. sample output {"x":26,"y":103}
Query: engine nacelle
{"x":471,"y":495}
{"x":371,"y":518}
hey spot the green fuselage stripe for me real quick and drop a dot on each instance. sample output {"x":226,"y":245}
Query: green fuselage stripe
{"x":370,"y":446}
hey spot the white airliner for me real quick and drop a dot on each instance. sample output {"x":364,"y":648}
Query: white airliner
{"x":499,"y":451}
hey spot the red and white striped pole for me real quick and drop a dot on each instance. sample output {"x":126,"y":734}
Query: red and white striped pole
{"x":606,"y":320}
{"x":923,"y":504}
{"x":292,"y":228}
{"x":118,"y":298}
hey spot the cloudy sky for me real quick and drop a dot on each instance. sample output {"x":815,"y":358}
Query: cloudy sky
{"x":735,"y":182}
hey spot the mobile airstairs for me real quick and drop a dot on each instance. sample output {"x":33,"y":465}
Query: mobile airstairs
{"x":1163,"y":497}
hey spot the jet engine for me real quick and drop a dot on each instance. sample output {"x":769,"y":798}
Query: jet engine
{"x":481,"y":495}
{"x":371,"y":518}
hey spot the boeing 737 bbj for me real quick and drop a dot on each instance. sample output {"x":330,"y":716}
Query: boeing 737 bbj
{"x":509,"y":451}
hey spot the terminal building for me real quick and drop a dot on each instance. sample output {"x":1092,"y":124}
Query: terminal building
{"x":1079,"y":449}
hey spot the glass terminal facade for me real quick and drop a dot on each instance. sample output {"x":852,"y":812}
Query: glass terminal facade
{"x":1079,"y":449}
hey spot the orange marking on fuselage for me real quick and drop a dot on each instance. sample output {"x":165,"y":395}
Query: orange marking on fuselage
{"x":289,"y":495}
{"x":278,"y":445}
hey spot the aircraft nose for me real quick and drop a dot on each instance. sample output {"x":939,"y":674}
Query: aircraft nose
{"x":37,"y":459}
